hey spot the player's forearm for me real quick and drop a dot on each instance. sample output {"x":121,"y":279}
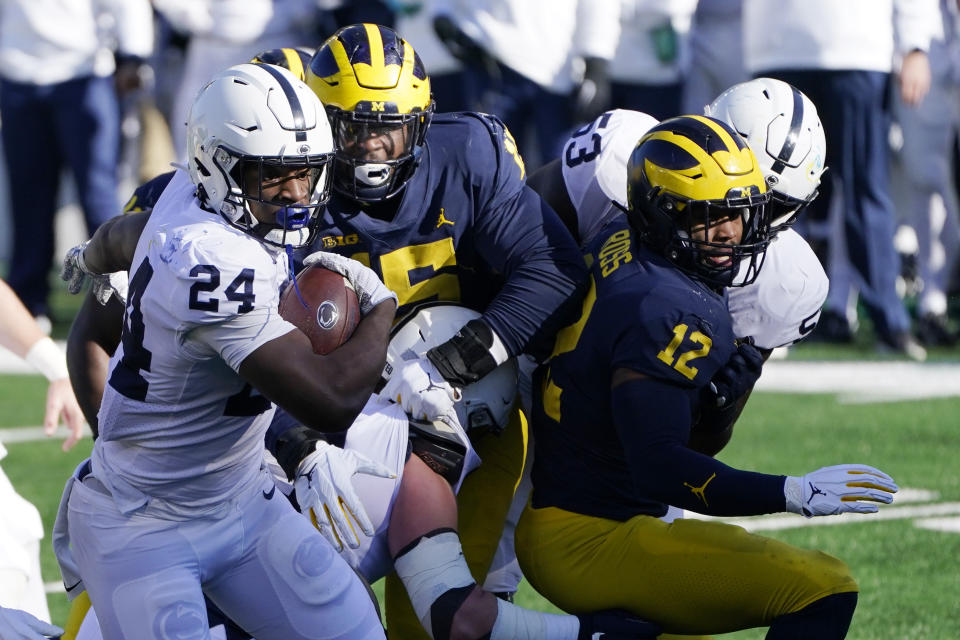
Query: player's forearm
{"x":113,"y":244}
{"x":93,"y":338}
{"x":325,"y":393}
{"x":653,"y":420}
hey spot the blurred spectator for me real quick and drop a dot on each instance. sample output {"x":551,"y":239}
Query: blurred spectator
{"x":21,"y":529}
{"x":222,"y":33}
{"x":649,"y":65}
{"x":716,"y":53}
{"x":58,"y":101}
{"x":925,"y":191}
{"x":540,"y":65}
{"x":342,"y":13}
{"x":415,"y":24}
{"x":841,"y":55}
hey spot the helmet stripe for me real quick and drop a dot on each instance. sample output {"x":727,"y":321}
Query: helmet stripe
{"x":375,"y":46}
{"x":790,"y":142}
{"x":294,"y":62}
{"x":299,"y":122}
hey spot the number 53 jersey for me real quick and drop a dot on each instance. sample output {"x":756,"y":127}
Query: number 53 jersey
{"x":640,"y":313}
{"x":177,"y":422}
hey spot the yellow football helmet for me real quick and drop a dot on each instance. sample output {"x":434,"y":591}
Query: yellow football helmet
{"x":377,"y":95}
{"x":295,"y":60}
{"x":687,"y":175}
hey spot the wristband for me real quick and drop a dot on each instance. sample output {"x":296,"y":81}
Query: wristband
{"x":47,"y":358}
{"x":471,"y":354}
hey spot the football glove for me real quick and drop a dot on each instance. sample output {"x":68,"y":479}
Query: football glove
{"x":460,"y":45}
{"x":418,"y":387}
{"x":20,"y":625}
{"x":738,"y":375}
{"x":326,"y":495}
{"x":592,"y":96}
{"x":843,"y":488}
{"x":75,"y":273}
{"x":615,"y":625}
{"x":369,"y":288}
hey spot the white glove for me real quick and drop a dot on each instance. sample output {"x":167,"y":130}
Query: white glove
{"x":326,"y":495}
{"x":842,"y":488}
{"x":20,"y":625}
{"x":369,"y":288}
{"x":418,"y":387}
{"x":75,"y":272}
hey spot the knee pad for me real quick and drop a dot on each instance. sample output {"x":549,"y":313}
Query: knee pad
{"x":437,"y":579}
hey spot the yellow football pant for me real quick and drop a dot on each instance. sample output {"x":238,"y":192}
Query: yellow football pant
{"x":78,"y":611}
{"x":690,"y":576}
{"x":483,"y":502}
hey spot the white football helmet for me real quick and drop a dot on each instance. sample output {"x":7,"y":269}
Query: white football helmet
{"x":263,"y":114}
{"x":485,"y":404}
{"x":783,"y":129}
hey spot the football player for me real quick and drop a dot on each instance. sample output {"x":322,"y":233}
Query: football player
{"x":586,"y":187}
{"x":652,"y":350}
{"x":436,"y":204}
{"x":188,"y":399}
{"x":96,"y":327}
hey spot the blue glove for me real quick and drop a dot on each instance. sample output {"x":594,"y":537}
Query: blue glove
{"x":738,"y":376}
{"x":615,"y":624}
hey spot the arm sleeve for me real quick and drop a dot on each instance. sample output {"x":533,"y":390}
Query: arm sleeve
{"x":664,"y":469}
{"x":598,"y":28}
{"x":915,"y":24}
{"x":520,"y":236}
{"x":133,"y":26}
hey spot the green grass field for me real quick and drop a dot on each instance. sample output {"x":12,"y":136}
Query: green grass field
{"x":907,"y":561}
{"x":909,"y":576}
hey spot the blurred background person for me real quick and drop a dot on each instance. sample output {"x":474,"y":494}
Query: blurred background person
{"x":841,"y":55}
{"x":648,"y":68}
{"x":415,"y":23}
{"x":540,"y":65}
{"x":221,"y":33}
{"x":59,"y":79}
{"x":716,"y":53}
{"x":923,"y":180}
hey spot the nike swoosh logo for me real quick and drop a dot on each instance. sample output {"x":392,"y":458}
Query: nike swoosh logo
{"x":269,"y":494}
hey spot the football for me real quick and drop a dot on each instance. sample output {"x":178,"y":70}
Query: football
{"x":326,"y":309}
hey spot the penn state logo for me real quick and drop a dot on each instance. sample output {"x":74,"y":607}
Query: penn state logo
{"x":327,"y":314}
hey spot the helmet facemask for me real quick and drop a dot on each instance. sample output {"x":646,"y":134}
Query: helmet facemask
{"x":783,"y":210}
{"x":679,"y":230}
{"x":373,"y":171}
{"x":254,"y":184}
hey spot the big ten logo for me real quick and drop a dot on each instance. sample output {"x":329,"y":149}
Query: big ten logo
{"x":615,"y":252}
{"x":331,"y":242}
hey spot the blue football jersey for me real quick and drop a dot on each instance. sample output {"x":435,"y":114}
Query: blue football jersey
{"x":640,"y":313}
{"x":147,"y":194}
{"x":466,"y":229}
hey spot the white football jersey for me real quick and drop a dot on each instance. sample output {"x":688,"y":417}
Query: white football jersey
{"x":595,"y":167}
{"x":177,"y":422}
{"x":783,"y":304}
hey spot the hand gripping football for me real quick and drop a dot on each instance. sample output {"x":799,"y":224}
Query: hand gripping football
{"x":322,"y":305}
